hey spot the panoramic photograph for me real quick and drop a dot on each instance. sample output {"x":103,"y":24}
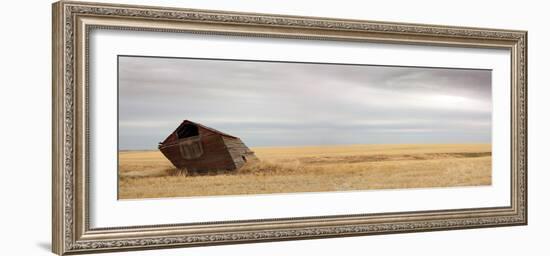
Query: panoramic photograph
{"x":192,"y":127}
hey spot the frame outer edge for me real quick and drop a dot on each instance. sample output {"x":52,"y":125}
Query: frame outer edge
{"x":525,"y":80}
{"x":57,"y":130}
{"x":65,"y":238}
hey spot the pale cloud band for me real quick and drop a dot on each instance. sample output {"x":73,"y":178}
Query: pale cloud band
{"x":277,"y":104}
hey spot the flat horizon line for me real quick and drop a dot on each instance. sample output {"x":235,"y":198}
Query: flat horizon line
{"x":338,"y":145}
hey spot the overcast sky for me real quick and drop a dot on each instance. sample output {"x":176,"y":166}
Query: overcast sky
{"x":287,"y":104}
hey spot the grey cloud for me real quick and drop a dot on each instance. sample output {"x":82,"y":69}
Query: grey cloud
{"x":268,"y":103}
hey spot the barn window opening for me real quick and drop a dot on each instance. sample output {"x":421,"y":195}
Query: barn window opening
{"x":187,"y":130}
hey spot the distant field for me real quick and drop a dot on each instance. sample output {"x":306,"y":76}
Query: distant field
{"x":148,"y":174}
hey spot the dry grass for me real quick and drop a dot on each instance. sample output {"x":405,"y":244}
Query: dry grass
{"x":147,"y":174}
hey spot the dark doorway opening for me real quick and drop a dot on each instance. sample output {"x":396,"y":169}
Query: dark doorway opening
{"x":187,"y":130}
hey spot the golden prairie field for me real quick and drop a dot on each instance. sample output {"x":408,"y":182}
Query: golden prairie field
{"x":148,"y":174}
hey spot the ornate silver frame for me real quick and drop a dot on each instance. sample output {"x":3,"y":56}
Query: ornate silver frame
{"x":72,"y":22}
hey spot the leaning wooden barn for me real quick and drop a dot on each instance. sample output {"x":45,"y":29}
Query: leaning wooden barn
{"x":198,"y":148}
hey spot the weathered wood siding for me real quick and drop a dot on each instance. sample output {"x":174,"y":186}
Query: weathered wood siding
{"x":203,"y":149}
{"x":214,"y":153}
{"x":171,"y":138}
{"x":239,"y":152}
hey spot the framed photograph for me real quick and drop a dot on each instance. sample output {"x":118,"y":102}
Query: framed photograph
{"x":179,"y":127}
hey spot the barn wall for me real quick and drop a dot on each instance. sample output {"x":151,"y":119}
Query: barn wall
{"x":171,"y":138}
{"x":237,"y":149}
{"x":214,"y":157}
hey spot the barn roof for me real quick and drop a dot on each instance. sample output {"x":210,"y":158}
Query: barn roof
{"x":171,"y":137}
{"x":207,"y":128}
